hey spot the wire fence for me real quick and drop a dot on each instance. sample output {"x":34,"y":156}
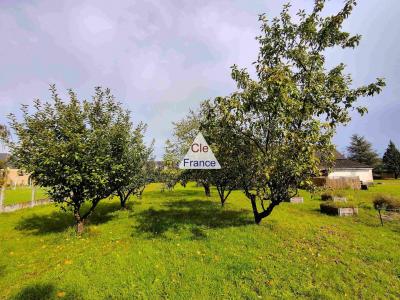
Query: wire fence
{"x":14,"y":198}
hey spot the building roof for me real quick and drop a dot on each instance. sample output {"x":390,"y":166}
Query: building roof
{"x":343,"y":163}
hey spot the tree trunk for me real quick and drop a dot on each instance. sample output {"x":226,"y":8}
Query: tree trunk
{"x":80,"y":227}
{"x":79,"y":221}
{"x":140,"y":194}
{"x":221,"y":192}
{"x":225,"y":196}
{"x":123,"y":203}
{"x":122,"y":199}
{"x":207,"y":189}
{"x":259,"y":216}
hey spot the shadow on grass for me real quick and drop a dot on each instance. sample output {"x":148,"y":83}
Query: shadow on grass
{"x":60,"y":221}
{"x":2,"y":270}
{"x":157,"y":194}
{"x":44,"y":292}
{"x":196,"y":214}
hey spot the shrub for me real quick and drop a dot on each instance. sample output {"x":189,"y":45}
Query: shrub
{"x":386,"y":202}
{"x":327,"y":196}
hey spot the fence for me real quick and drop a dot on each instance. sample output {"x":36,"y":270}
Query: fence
{"x":23,"y":204}
{"x":338,"y":182}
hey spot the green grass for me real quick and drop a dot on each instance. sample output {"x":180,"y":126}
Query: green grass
{"x":182,"y":245}
{"x":22,"y":194}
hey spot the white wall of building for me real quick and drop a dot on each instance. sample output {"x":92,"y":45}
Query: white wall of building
{"x":365,"y":175}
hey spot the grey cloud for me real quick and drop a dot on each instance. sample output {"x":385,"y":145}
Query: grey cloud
{"x":161,"y":58}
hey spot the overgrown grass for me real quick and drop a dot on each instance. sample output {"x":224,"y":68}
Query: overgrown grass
{"x":182,"y":245}
{"x":22,"y":194}
{"x":386,"y":202}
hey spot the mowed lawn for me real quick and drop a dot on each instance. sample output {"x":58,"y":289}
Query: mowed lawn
{"x":182,"y":245}
{"x":23,"y":194}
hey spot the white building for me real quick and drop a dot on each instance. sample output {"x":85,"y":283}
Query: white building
{"x":344,"y":167}
{"x":348,"y":168}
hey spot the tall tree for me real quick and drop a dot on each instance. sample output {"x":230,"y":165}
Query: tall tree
{"x":70,"y":148}
{"x":170,"y":173}
{"x":134,"y":157}
{"x":230,"y":153}
{"x":184,"y":133}
{"x":361,"y":150}
{"x":391,"y":160}
{"x":289,"y":113}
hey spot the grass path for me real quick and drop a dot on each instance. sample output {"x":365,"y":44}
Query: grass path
{"x":182,"y":245}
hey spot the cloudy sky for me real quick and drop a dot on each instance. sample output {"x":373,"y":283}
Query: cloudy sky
{"x":161,"y":58}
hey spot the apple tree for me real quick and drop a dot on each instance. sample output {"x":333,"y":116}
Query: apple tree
{"x":288,"y":112}
{"x":70,"y":148}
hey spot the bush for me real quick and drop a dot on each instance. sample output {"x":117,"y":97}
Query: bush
{"x":386,"y":202}
{"x":327,"y":196}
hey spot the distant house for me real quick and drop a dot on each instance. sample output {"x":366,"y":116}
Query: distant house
{"x":15,"y":176}
{"x":346,"y":168}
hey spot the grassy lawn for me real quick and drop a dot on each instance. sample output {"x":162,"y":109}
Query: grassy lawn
{"x":22,"y":194}
{"x":182,"y":245}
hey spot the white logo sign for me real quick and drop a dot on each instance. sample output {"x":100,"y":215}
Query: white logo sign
{"x":199,"y":156}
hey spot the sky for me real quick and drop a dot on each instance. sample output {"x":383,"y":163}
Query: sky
{"x":162,"y":58}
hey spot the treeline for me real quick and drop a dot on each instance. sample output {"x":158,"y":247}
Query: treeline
{"x":362,"y":151}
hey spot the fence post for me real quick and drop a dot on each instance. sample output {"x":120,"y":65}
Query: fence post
{"x":1,"y":198}
{"x":33,"y":196}
{"x":380,"y":216}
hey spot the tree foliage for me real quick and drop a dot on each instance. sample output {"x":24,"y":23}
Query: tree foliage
{"x":289,"y":112}
{"x":391,"y":160}
{"x":361,"y":150}
{"x":233,"y":155}
{"x":219,"y":139}
{"x":4,"y":132}
{"x":72,"y":148}
{"x":170,"y":173}
{"x":184,"y":132}
{"x":135,"y":158}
